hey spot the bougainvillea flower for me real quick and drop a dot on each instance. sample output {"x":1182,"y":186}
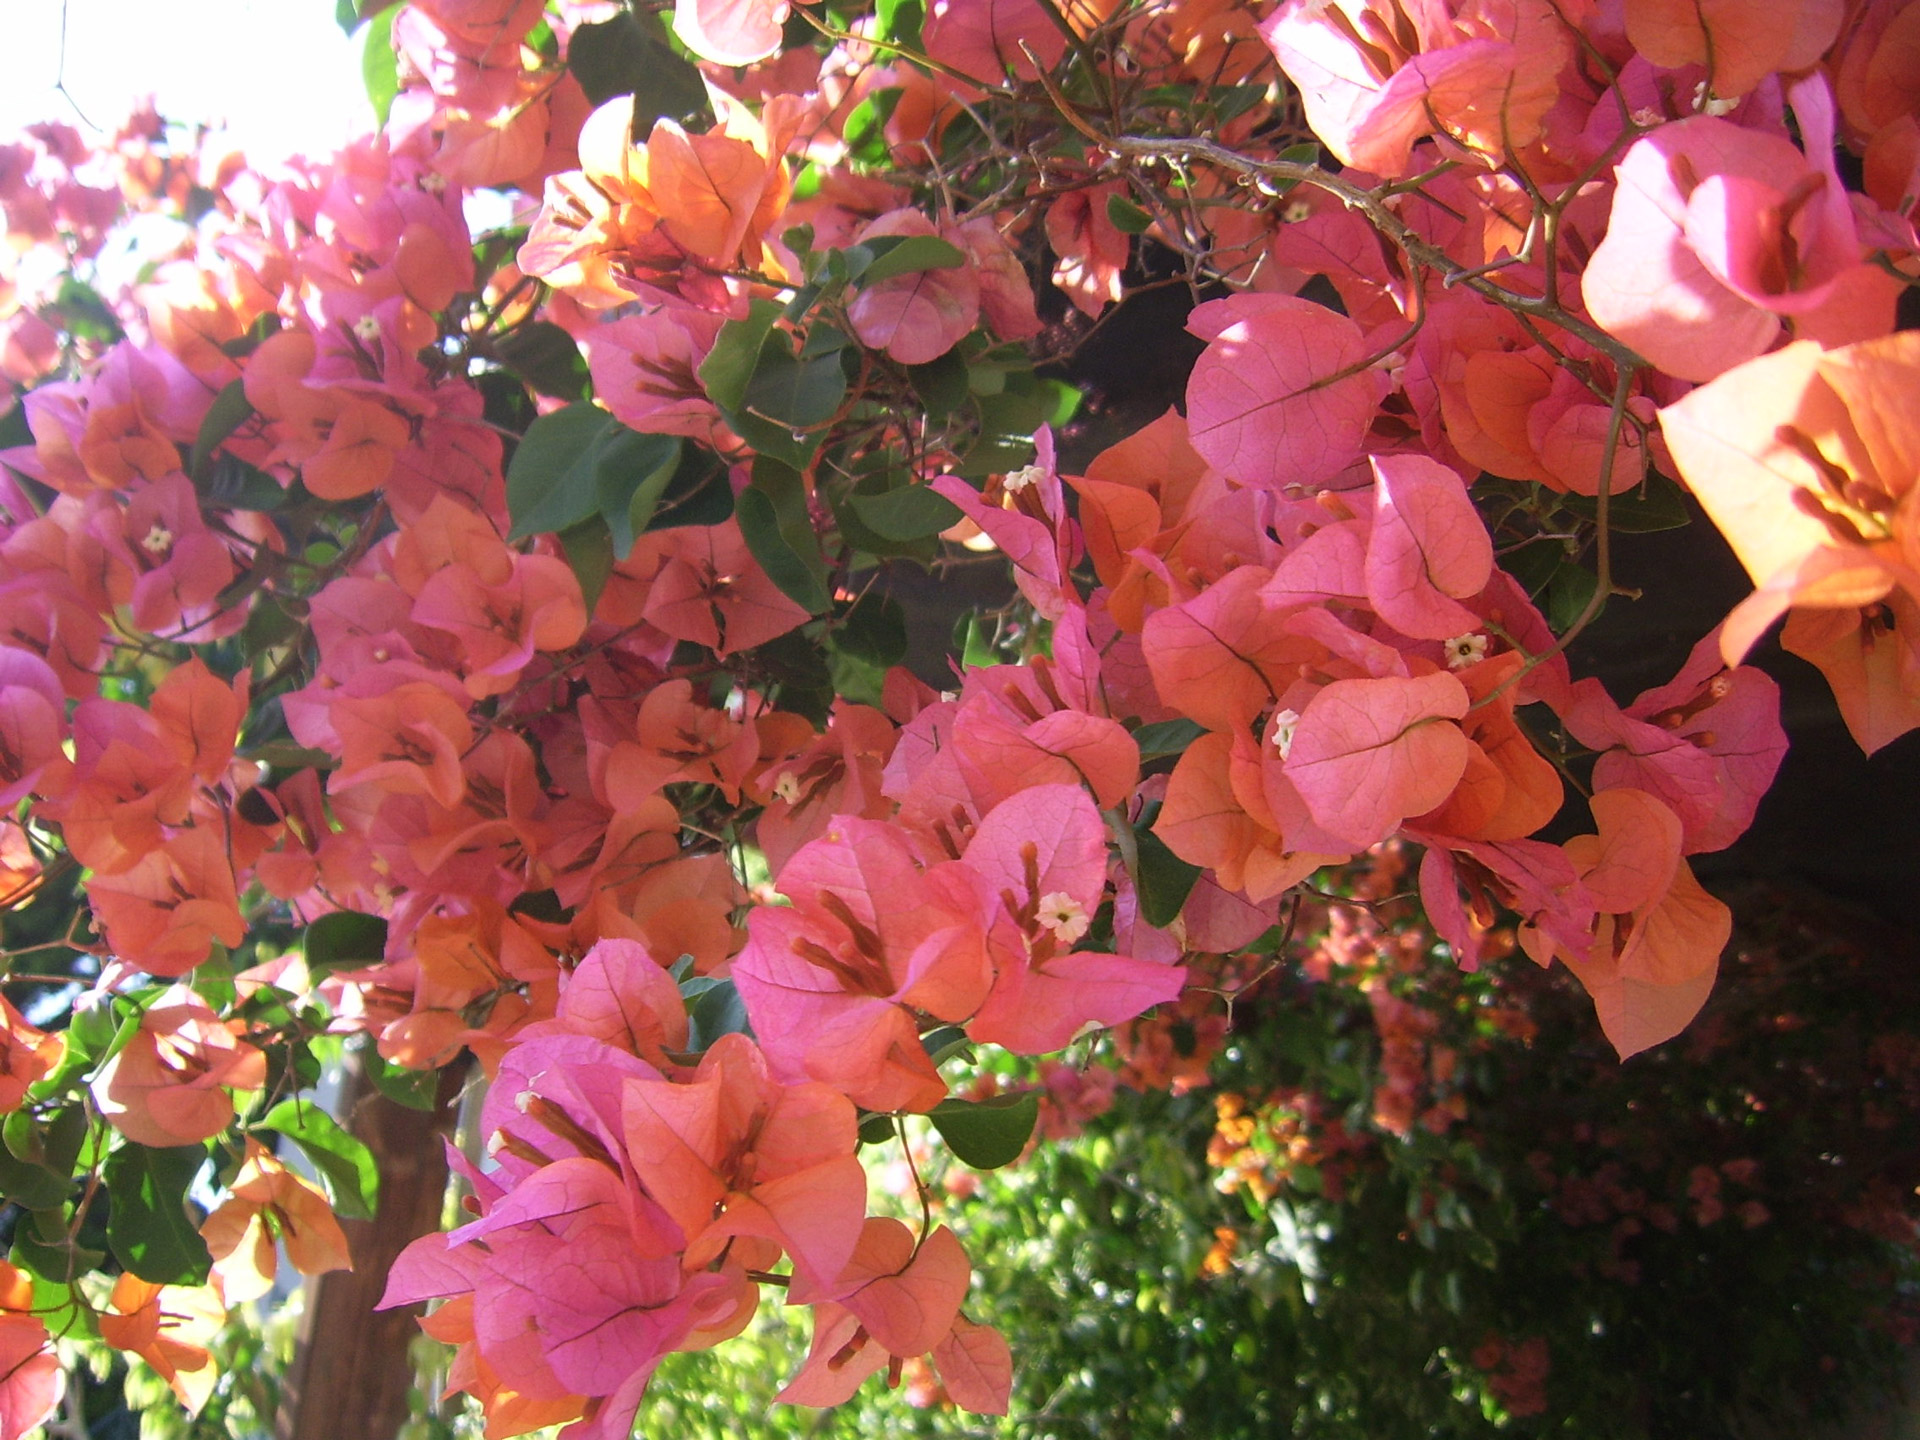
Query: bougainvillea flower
{"x":171,"y":1327}
{"x":1509,"y":790}
{"x":730,"y":32}
{"x":733,"y":1152}
{"x":168,"y":1084}
{"x":895,"y":1300}
{"x":1283,"y":393}
{"x":1717,"y":231}
{"x":499,"y":626}
{"x":407,"y":739}
{"x":620,"y":994}
{"x":1656,"y":942}
{"x":1229,"y":828}
{"x":1376,"y":75}
{"x":32,"y":1382}
{"x":1707,"y":744}
{"x":985,"y":39}
{"x":1092,"y":251}
{"x":1806,"y":461}
{"x":32,"y":724}
{"x":919,"y":316}
{"x":1428,"y":550}
{"x":1739,"y":42}
{"x":832,"y":983}
{"x":836,"y":773}
{"x":646,"y":366}
{"x":269,"y":1203}
{"x":167,"y":912}
{"x":1369,"y":753}
{"x":1220,"y":658}
{"x":1024,"y":512}
{"x":127,"y":785}
{"x":711,"y":590}
{"x":26,"y":1055}
{"x":1040,"y":859}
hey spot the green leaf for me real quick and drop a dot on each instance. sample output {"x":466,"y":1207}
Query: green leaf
{"x":729,"y":366}
{"x":1165,"y":879}
{"x":345,"y":940}
{"x":715,"y":1011}
{"x":630,"y":55}
{"x":977,"y":651}
{"x":32,"y":1185}
{"x":1127,"y":217}
{"x":907,"y":255}
{"x":588,"y":547}
{"x":779,"y":531}
{"x":232,"y":484}
{"x":911,"y":512}
{"x":1534,"y":564}
{"x":380,"y":65}
{"x":801,"y":667}
{"x":632,"y":479}
{"x":1568,"y":594}
{"x":1166,"y":737}
{"x":346,"y":14}
{"x":863,"y":537}
{"x":568,"y":461}
{"x":268,"y":624}
{"x":794,"y":392}
{"x":1307,"y":152}
{"x":865,"y":131}
{"x":346,"y":1166}
{"x":876,"y":1129}
{"x":53,"y":1142}
{"x":1659,"y":504}
{"x":415,"y":1089}
{"x":698,"y":493}
{"x":941,"y":385}
{"x":873,"y":629}
{"x":148,"y":1226}
{"x":945,"y":1042}
{"x":989,"y":1133}
{"x":546,"y":358}
{"x":53,"y":1263}
{"x":900,"y":21}
{"x":230,"y":410}
{"x":1007,"y":423}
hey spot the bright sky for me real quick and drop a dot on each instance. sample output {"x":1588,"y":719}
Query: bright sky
{"x":280,"y":72}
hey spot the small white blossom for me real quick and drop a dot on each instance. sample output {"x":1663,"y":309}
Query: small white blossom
{"x":367,"y":329}
{"x":433,"y":182}
{"x":158,"y":541}
{"x":1065,"y":916}
{"x":1464,"y":650}
{"x":1024,"y":478}
{"x":1280,"y":731}
{"x":1296,"y":211}
{"x":1707,"y":104}
{"x":787,"y":787}
{"x":1646,"y":117}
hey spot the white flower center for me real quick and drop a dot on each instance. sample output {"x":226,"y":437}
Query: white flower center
{"x":787,"y":787}
{"x":1063,"y":915}
{"x":158,"y":541}
{"x":1280,"y":731}
{"x":367,"y":329}
{"x":1465,"y":650}
{"x":1024,"y":478}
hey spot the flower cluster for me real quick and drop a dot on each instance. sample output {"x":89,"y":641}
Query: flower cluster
{"x":514,"y":612}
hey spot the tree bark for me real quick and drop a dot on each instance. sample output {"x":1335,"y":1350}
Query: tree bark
{"x":351,"y":1373}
